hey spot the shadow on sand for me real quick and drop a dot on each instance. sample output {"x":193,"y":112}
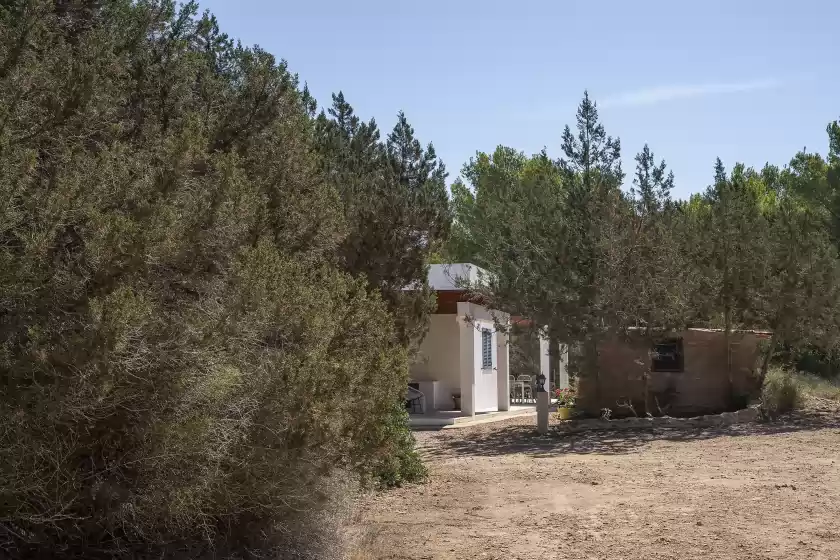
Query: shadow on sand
{"x":524,"y":439}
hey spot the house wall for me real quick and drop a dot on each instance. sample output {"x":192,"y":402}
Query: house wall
{"x":480,"y":388}
{"x":562,"y":379}
{"x":438,"y":359}
{"x":486,"y":380}
{"x":703,"y":386}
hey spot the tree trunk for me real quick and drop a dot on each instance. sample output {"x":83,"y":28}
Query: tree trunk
{"x":765,"y":361}
{"x":727,"y":334}
{"x":591,"y":358}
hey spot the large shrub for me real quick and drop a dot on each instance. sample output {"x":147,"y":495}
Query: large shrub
{"x":185,"y":369}
{"x":813,"y":359}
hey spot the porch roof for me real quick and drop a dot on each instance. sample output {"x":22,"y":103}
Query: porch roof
{"x":455,"y":276}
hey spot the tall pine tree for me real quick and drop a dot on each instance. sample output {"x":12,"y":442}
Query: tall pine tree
{"x":396,"y":206}
{"x":593,"y":177}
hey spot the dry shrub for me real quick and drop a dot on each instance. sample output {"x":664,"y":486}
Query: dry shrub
{"x":781,"y":393}
{"x":370,"y":542}
{"x":186,"y":372}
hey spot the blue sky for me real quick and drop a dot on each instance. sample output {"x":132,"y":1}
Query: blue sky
{"x":746,"y":80}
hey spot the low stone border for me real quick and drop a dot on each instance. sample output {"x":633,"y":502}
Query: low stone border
{"x":744,"y":416}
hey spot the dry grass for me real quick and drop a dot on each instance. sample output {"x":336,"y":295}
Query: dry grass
{"x":819,"y":388}
{"x":785,"y":391}
{"x":368,"y":544}
{"x":365,"y":541}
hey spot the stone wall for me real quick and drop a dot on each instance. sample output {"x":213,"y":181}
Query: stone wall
{"x":744,"y":416}
{"x":701,"y":388}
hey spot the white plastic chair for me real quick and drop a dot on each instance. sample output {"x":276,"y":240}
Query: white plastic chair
{"x":527,"y":387}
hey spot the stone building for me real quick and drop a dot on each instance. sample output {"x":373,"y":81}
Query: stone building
{"x":682,"y":374}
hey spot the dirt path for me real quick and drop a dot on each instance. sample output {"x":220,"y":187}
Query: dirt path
{"x":500,"y":491}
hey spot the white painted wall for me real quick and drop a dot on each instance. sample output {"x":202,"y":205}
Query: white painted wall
{"x":486,"y":380}
{"x":503,"y":371}
{"x":466,"y":337}
{"x":563,"y":374}
{"x":451,"y":355}
{"x":545,"y":363}
{"x":439,"y":359}
{"x":485,"y":383}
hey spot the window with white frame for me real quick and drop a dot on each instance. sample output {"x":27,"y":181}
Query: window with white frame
{"x":486,"y":349}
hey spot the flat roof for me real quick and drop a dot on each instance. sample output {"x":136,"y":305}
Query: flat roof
{"x":455,"y":276}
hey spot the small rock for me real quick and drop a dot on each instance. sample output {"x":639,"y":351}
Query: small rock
{"x":747,"y":415}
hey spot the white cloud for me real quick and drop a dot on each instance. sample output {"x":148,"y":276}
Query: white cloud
{"x":652,"y":96}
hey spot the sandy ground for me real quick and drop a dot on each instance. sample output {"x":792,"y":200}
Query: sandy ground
{"x":499,"y":490}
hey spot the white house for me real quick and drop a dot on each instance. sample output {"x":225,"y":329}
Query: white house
{"x":463,"y":353}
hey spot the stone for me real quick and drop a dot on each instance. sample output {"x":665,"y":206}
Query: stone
{"x":728,"y":418}
{"x":747,"y":415}
{"x":633,"y":423}
{"x":710,"y":420}
{"x":620,"y":423}
{"x":600,"y":424}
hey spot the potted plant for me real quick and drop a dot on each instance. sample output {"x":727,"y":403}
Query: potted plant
{"x":456,"y":400}
{"x":565,"y":402}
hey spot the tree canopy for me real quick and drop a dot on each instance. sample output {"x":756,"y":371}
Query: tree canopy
{"x":588,"y":259}
{"x":202,"y":326}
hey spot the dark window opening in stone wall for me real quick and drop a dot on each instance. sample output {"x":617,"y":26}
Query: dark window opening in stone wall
{"x":667,"y":355}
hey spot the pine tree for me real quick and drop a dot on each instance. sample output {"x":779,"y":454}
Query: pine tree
{"x":593,"y":177}
{"x":173,"y":317}
{"x":802,"y":287}
{"x":657,"y":282}
{"x":546,"y":230}
{"x":734,"y":258}
{"x":396,"y":207}
{"x":651,"y":186}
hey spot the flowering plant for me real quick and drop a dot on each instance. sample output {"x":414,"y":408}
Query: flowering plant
{"x":565,"y":397}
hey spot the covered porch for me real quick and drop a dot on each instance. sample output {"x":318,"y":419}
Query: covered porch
{"x":463,"y":367}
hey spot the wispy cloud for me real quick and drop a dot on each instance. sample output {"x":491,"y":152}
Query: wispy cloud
{"x":652,"y":96}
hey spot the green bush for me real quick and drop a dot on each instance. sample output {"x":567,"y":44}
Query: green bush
{"x":823,"y":363}
{"x":186,"y":369}
{"x":400,"y":463}
{"x":781,"y":393}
